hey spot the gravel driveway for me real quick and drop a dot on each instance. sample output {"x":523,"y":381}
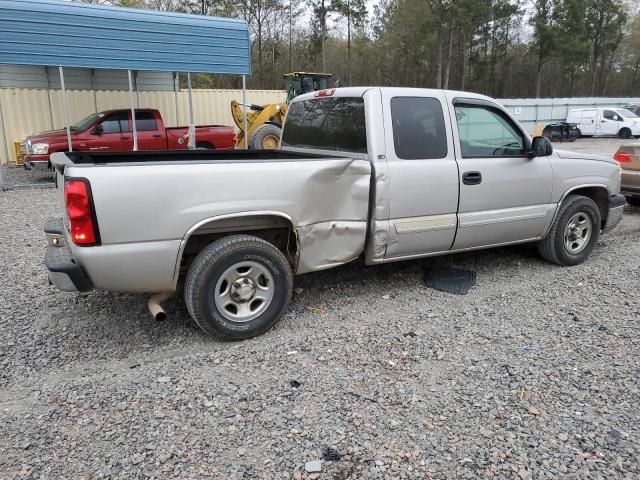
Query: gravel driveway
{"x":534,"y":374}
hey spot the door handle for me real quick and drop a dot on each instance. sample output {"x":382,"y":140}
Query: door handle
{"x":125,"y":138}
{"x":157,"y":136}
{"x":472,"y":178}
{"x":603,"y":121}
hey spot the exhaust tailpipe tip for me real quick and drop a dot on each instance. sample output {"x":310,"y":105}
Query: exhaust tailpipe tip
{"x":155,"y":309}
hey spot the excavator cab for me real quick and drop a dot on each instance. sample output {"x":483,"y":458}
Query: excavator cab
{"x":297,"y":83}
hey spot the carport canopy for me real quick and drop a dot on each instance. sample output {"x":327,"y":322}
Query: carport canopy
{"x":69,"y":34}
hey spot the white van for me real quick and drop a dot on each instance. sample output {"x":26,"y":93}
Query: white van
{"x":605,"y":121}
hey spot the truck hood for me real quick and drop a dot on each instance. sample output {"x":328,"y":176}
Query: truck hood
{"x":52,"y":136}
{"x":584,"y":156}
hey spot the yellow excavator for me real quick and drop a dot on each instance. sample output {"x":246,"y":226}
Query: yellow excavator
{"x":264,"y":122}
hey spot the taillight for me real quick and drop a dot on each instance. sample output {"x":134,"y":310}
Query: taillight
{"x":77,"y":197}
{"x":622,"y":157}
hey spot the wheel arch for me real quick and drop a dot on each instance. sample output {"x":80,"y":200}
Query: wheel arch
{"x":599,"y":193}
{"x":275,"y":227}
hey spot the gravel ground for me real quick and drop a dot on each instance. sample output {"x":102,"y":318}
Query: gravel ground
{"x":17,"y":177}
{"x":533,"y":374}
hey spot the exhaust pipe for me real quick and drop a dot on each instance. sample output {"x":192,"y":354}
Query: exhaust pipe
{"x":155,"y":308}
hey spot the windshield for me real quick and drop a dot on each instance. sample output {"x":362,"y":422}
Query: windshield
{"x":86,"y":122}
{"x":627,"y":114}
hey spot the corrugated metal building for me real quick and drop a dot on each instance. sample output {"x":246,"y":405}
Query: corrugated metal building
{"x":98,"y":47}
{"x":58,"y":33}
{"x":28,"y":76}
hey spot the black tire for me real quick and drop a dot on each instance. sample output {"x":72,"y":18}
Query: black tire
{"x":207,"y":269}
{"x":205,"y":146}
{"x":624,"y":133}
{"x":633,"y":201}
{"x":552,"y":248}
{"x":264,"y":133}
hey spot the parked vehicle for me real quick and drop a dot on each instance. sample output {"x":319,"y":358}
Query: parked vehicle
{"x":633,"y":109}
{"x":605,"y":122}
{"x":382,"y":174}
{"x":111,"y":131}
{"x":628,"y":156}
{"x":561,"y":132}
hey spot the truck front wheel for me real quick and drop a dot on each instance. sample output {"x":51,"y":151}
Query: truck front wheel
{"x":238,"y":287}
{"x":574,"y":232}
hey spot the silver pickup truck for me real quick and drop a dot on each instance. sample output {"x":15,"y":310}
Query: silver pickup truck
{"x":383,"y":174}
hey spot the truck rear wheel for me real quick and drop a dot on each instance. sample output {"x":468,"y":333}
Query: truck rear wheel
{"x":266,"y":137}
{"x":574,"y":232}
{"x":238,"y":287}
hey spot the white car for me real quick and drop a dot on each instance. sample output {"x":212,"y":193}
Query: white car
{"x":605,"y":122}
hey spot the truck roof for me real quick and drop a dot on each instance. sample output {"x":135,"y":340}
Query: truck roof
{"x":360,"y":91}
{"x":114,"y":110}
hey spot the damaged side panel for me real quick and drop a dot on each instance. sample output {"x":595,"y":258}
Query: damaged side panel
{"x":327,"y":244}
{"x":339,"y":203}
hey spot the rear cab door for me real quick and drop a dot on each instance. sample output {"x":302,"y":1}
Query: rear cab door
{"x":504,"y":195}
{"x":423,"y":174}
{"x":150,"y":129}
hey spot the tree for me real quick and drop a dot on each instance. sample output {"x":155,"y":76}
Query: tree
{"x":355,"y":12}
{"x":604,"y":20}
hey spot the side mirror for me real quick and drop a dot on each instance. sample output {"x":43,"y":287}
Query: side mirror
{"x":540,"y":147}
{"x":616,"y":118}
{"x":97,"y":130}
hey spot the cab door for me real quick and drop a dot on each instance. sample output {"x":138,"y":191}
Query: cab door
{"x":504,"y":195}
{"x":609,"y":123}
{"x":112,"y":134}
{"x":150,"y":137}
{"x":423,"y":173}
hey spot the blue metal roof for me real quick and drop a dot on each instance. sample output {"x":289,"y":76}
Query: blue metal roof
{"x":59,"y":33}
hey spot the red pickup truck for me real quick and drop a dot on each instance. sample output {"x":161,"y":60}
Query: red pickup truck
{"x":111,"y":131}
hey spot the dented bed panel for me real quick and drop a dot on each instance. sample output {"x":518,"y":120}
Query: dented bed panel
{"x":327,"y":244}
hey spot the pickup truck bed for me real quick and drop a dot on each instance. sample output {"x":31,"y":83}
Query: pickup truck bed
{"x":145,"y":222}
{"x":182,"y":156}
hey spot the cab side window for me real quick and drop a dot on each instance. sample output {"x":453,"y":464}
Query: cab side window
{"x":610,"y":115}
{"x":116,"y":123}
{"x":146,"y":122}
{"x":418,"y":128}
{"x":487,"y":132}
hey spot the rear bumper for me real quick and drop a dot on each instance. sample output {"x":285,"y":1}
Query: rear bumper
{"x":63,"y":270}
{"x":630,"y":182}
{"x":616,"y":209}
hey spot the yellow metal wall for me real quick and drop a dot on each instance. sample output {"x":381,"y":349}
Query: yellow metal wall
{"x":26,"y":111}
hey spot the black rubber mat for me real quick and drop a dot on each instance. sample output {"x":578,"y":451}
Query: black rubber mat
{"x":452,"y":280}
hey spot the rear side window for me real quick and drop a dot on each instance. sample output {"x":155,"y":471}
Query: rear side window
{"x":335,"y":123}
{"x":116,"y":123}
{"x":145,"y":122}
{"x":418,"y":128}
